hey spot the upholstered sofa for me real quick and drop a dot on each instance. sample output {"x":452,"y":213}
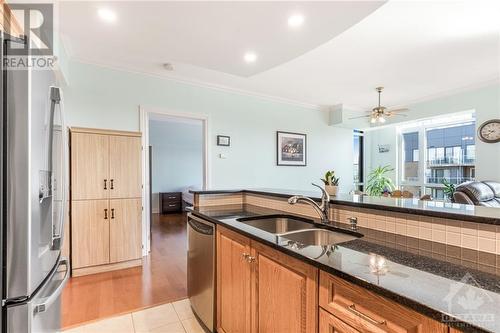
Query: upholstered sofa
{"x":485,"y":193}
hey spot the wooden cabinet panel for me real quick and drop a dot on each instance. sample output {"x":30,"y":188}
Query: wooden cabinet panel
{"x":233,"y":282}
{"x":328,"y":323}
{"x":125,"y":229}
{"x":90,"y":233}
{"x":89,"y":166}
{"x":369,"y":312}
{"x":284,"y":293}
{"x":125,"y":167}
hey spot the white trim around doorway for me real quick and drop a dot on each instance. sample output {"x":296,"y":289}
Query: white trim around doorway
{"x":145,"y":112}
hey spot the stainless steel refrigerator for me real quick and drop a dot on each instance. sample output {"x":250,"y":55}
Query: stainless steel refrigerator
{"x":32,"y":198}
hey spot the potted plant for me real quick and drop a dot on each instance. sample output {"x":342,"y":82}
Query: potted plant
{"x":449,"y":189}
{"x":378,"y":181}
{"x":331,"y":182}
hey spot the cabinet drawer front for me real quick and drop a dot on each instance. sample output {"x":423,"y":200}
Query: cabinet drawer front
{"x":369,"y":312}
{"x":166,"y":197}
{"x":330,"y":324}
{"x":170,"y":207}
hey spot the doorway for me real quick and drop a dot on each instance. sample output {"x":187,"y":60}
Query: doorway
{"x":178,"y":163}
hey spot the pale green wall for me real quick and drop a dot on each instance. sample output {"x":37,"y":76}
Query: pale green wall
{"x":105,"y":98}
{"x":177,"y":155}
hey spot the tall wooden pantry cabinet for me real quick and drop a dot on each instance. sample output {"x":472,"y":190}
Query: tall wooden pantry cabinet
{"x":106,"y":204}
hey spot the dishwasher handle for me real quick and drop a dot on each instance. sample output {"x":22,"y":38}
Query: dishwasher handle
{"x":201,"y":226}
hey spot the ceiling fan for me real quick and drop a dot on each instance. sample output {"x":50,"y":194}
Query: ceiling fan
{"x":379,"y":113}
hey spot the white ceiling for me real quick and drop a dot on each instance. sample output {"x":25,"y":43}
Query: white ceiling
{"x":417,"y":50}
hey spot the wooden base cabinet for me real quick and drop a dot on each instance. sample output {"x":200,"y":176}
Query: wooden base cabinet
{"x":262,"y":290}
{"x":233,"y":282}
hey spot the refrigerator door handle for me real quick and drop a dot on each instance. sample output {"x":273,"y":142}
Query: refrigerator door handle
{"x":46,"y":302}
{"x":57,"y":233}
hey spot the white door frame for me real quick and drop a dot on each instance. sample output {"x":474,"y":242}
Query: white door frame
{"x":145,"y":112}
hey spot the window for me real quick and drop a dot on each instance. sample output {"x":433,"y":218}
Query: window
{"x":470,"y":154}
{"x":410,"y":164}
{"x":448,"y":146}
{"x":358,"y":159}
{"x":415,"y":155}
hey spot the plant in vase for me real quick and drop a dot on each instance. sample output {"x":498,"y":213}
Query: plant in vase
{"x":378,"y":181}
{"x":331,"y":182}
{"x":449,"y":189}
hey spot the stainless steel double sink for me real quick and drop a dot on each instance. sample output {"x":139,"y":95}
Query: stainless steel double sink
{"x":297,"y":230}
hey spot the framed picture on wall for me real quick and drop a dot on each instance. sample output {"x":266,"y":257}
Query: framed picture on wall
{"x":291,"y":149}
{"x":223,"y":140}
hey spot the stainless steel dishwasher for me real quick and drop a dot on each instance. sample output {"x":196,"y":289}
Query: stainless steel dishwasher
{"x":201,"y":269}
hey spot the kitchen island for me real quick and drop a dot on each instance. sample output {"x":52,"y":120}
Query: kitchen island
{"x":428,"y":278}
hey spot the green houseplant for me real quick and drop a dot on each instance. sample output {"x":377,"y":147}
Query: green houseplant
{"x":379,"y":182}
{"x":331,"y":182}
{"x":449,"y":189}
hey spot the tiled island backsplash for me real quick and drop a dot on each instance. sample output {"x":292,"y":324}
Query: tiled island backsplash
{"x":475,"y":245}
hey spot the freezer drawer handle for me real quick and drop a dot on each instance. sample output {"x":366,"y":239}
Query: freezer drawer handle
{"x":47,"y":301}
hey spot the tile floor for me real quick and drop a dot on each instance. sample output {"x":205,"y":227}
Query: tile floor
{"x":175,"y":317}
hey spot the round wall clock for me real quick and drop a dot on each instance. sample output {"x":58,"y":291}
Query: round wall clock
{"x":489,"y":131}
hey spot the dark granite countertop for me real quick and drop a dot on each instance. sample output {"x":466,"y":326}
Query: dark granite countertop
{"x":487,"y":215}
{"x":464,"y":294}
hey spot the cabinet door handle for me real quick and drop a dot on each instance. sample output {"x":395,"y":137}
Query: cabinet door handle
{"x":105,"y":213}
{"x":105,"y":184}
{"x":352,"y":309}
{"x":251,"y":259}
{"x":245,"y":256}
{"x":112,"y":213}
{"x":112,"y":187}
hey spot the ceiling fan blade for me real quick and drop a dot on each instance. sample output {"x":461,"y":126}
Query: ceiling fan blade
{"x":360,"y":117}
{"x":399,"y":110}
{"x":390,"y":114}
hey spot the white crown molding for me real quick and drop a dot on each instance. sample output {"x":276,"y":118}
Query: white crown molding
{"x":201,"y":84}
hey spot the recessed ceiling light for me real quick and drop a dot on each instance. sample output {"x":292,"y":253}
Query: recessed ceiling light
{"x":250,"y":57}
{"x":295,"y":20}
{"x":107,"y":15}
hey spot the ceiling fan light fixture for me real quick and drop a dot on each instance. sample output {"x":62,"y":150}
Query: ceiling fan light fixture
{"x":373,"y":120}
{"x":381,"y":119}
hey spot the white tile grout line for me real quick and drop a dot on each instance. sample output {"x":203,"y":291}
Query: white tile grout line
{"x":133,"y":322}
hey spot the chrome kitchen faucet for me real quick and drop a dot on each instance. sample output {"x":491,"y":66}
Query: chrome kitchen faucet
{"x":322,"y":209}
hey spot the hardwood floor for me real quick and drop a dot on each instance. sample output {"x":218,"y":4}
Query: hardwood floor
{"x":161,"y":279}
